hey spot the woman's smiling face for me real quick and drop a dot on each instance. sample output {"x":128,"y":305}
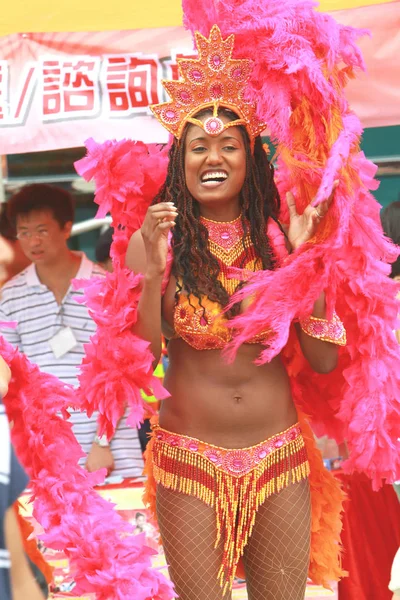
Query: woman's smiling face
{"x":215,"y":166}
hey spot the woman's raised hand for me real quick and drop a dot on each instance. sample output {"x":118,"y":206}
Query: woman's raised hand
{"x":159,"y":220}
{"x":304,"y":227}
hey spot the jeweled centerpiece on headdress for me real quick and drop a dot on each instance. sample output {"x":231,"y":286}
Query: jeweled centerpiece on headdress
{"x":213,"y":80}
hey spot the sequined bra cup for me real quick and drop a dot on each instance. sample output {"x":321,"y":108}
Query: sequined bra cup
{"x":203,"y":325}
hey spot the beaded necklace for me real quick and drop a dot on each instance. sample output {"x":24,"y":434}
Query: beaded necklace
{"x":225,"y":242}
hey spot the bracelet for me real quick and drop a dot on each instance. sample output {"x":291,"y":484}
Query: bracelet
{"x":102,"y":441}
{"x":328,"y":331}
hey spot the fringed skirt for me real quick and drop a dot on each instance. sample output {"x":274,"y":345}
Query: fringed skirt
{"x":233,"y":482}
{"x":236,"y":482}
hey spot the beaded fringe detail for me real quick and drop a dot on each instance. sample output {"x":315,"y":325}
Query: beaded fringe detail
{"x":234,"y":499}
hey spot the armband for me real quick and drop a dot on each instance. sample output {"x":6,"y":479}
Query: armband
{"x":328,"y":331}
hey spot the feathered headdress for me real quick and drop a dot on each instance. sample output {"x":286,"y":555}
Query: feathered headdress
{"x":212,"y":80}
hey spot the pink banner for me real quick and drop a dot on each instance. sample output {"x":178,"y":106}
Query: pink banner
{"x":56,"y":90}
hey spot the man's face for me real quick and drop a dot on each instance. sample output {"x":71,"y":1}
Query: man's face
{"x":41,"y":237}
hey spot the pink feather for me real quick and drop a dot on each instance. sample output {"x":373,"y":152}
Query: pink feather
{"x":105,"y":558}
{"x":302,"y":62}
{"x":118,"y":364}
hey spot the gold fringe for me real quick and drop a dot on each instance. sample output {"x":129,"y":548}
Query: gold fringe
{"x":234,"y":499}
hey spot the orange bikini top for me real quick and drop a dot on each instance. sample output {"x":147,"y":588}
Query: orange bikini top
{"x":204,"y":325}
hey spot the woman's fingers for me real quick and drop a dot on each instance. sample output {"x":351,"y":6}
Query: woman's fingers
{"x":323,"y":207}
{"x":329,"y":201}
{"x":291,"y":205}
{"x":165,"y":212}
{"x":163,"y":207}
{"x":164,"y":215}
{"x":166,"y":225}
{"x":321,"y":210}
{"x":161,"y":228}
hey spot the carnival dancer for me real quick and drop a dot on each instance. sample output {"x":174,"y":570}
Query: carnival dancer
{"x":228,"y":454}
{"x":232,"y":461}
{"x":231,"y":475}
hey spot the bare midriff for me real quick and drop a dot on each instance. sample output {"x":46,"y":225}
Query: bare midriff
{"x":230,"y":405}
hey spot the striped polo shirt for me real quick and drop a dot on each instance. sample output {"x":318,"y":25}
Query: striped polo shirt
{"x":32,"y":305}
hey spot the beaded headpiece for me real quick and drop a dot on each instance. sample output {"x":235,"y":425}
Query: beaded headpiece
{"x":212,"y":80}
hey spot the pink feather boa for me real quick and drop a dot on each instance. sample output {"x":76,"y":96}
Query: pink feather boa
{"x":105,"y":558}
{"x":118,"y":364}
{"x":294,"y":50}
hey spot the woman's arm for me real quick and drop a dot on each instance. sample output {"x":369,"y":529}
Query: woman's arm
{"x":148,"y":325}
{"x":23,"y":583}
{"x":147,"y":254}
{"x":321,"y":355}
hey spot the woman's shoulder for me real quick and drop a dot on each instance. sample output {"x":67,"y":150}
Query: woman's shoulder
{"x":136,"y":257}
{"x":136,"y":254}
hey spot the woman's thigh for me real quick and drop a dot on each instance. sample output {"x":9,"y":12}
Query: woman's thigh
{"x":277,"y":556}
{"x":188,"y":532}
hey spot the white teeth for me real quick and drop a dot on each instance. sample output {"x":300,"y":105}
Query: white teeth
{"x":214,"y":175}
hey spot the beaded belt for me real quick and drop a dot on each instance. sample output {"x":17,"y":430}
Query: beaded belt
{"x":236,"y":462}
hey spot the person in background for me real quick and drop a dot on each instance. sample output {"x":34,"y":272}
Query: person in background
{"x":394,"y":585}
{"x":16,"y":579}
{"x":19,"y":261}
{"x":390,"y":218}
{"x":52,"y":325}
{"x":15,"y":572}
{"x":371,"y":524}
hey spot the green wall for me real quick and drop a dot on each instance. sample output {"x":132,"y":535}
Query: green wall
{"x":85,"y":242}
{"x":384,"y":142}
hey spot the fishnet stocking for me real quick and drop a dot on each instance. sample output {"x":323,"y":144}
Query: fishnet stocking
{"x":187,"y":527}
{"x":277,"y":556}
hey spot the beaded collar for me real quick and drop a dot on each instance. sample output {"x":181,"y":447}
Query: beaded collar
{"x":225,"y":242}
{"x":224,"y":234}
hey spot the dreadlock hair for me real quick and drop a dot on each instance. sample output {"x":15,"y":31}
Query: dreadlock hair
{"x":390,"y":219}
{"x":193,"y":264}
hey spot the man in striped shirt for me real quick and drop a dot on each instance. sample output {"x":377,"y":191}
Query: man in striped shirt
{"x":52,"y":326}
